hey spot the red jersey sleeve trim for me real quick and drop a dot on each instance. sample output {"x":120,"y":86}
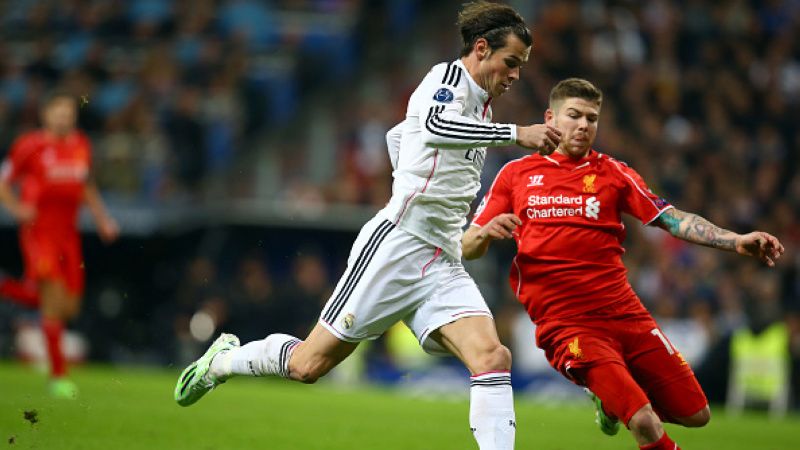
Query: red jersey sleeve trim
{"x":668,"y":207}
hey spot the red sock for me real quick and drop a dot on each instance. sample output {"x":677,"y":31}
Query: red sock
{"x":20,"y":292}
{"x":53,"y":329}
{"x":665,"y":443}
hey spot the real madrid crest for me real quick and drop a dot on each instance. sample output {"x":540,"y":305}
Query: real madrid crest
{"x":348,"y":321}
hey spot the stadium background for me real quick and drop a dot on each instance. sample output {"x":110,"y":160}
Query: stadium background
{"x":241,"y":145}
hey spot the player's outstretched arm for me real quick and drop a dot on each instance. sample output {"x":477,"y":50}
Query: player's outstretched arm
{"x":440,"y":105}
{"x":476,"y":239}
{"x":107,"y":227}
{"x":693,"y":228}
{"x":23,"y":213}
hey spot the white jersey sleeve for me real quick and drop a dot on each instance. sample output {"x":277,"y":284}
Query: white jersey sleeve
{"x":393,"y":138}
{"x":442,"y":104}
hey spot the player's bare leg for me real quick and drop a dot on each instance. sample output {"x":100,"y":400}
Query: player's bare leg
{"x":278,"y":354}
{"x":696,"y":420}
{"x":53,"y":294}
{"x":317,"y":355}
{"x":645,"y":426}
{"x":285,"y":356}
{"x":621,"y":398}
{"x":474,"y":341}
{"x":647,"y":429}
{"x":56,"y":307}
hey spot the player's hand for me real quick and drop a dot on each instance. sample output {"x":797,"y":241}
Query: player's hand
{"x":540,"y":137}
{"x":502,"y":226}
{"x":24,"y":213}
{"x":763,"y":246}
{"x":108,"y":230}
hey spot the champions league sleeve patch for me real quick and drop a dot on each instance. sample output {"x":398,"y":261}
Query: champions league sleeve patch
{"x":443,"y":95}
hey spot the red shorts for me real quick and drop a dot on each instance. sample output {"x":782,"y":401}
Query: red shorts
{"x":52,"y":255}
{"x":627,"y":363}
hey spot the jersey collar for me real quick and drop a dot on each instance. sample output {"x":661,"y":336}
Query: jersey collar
{"x":483,"y":96}
{"x":570,"y":163}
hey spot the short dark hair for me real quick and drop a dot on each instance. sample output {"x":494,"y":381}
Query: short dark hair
{"x":491,"y":21}
{"x":575,"y":88}
{"x":51,"y":96}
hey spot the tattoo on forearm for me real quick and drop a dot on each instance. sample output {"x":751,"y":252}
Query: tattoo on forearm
{"x":670,"y":222}
{"x":704,"y":232}
{"x":693,"y":228}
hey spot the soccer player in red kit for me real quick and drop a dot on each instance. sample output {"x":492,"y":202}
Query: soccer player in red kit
{"x":50,"y":168}
{"x":564,"y":212}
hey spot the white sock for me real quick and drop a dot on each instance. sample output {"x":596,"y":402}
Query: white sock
{"x":491,"y":411}
{"x":269,"y":356}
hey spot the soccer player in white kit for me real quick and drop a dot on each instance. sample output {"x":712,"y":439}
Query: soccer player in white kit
{"x":406,"y":262}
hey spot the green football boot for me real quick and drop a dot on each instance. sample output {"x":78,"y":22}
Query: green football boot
{"x":63,"y":388}
{"x":607,"y":425}
{"x":196,"y":380}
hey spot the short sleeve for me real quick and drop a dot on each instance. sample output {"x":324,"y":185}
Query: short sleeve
{"x":17,"y":160}
{"x":498,"y":200}
{"x":637,"y":199}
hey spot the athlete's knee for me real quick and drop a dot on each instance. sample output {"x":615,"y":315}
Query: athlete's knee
{"x":70,"y":309}
{"x":493,"y":357}
{"x":698,"y":419}
{"x":645,"y":422}
{"x":307,"y":376}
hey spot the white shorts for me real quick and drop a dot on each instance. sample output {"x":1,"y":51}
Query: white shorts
{"x":391,"y":276}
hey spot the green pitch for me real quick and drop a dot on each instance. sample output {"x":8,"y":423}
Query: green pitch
{"x":133,"y":409}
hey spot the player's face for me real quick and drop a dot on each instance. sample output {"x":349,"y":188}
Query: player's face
{"x":499,"y":68}
{"x":577,"y":119}
{"x":59,"y":115}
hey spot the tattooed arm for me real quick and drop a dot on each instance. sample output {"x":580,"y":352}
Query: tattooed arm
{"x":693,"y":228}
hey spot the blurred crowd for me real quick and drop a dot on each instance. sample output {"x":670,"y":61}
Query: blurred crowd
{"x":295,"y":97}
{"x":172,"y":91}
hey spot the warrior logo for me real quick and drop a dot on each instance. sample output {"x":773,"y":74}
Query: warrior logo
{"x":535,"y":180}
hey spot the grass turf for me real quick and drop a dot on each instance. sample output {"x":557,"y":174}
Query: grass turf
{"x":133,"y":409}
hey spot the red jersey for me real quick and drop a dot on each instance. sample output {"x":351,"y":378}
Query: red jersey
{"x":52,"y":172}
{"x":569,"y":246}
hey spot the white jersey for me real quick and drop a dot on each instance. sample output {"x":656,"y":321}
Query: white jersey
{"x":437,"y":154}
